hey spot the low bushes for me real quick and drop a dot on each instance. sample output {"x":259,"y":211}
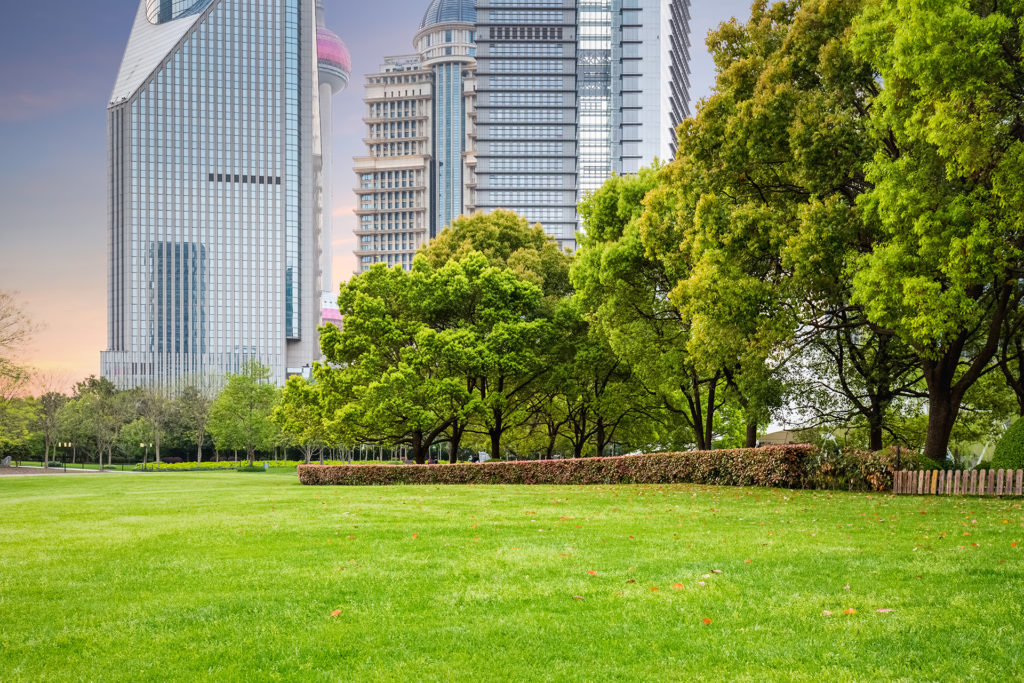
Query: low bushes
{"x":862,"y":470}
{"x":776,"y":466}
{"x":1009,"y":453}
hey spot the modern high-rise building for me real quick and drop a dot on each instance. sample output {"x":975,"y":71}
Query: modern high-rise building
{"x":395,"y":178}
{"x":548,"y":99}
{"x":417,"y":175}
{"x":219,"y":151}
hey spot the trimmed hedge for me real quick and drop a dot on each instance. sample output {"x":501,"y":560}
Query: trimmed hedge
{"x":774,"y":466}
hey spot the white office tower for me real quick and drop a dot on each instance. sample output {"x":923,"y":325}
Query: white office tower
{"x":216,"y":190}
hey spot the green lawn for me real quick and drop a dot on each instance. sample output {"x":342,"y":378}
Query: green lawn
{"x":235,"y":576}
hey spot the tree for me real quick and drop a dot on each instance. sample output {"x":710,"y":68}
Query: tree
{"x":241,"y":416}
{"x":49,"y":410}
{"x":192,"y":409}
{"x":104,"y":410}
{"x":15,"y":331}
{"x":300,"y":416}
{"x":158,"y":410}
{"x":623,"y":288}
{"x":945,"y":189}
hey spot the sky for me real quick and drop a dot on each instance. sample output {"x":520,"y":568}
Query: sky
{"x":58,"y":63}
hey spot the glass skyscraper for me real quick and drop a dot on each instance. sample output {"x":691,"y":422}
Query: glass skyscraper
{"x":216,"y":219}
{"x":535,"y":104}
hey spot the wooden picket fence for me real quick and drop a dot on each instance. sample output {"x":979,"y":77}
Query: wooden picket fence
{"x":959,"y":483}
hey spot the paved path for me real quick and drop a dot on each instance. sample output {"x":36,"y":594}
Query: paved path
{"x":31,"y":471}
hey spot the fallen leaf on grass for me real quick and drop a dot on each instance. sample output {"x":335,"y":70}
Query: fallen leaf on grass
{"x":678,"y":586}
{"x":746,"y":560}
{"x":654,"y":588}
{"x":849,"y":610}
{"x":335,"y":612}
{"x":415,"y":535}
{"x":846,"y":587}
{"x":630,"y":580}
{"x":592,"y":572}
{"x":884,"y":610}
{"x":716,"y":571}
{"x":826,"y":613}
{"x":577,"y":597}
{"x":706,"y":621}
{"x":701,"y":583}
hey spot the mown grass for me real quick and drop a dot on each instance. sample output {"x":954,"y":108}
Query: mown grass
{"x":195,"y":575}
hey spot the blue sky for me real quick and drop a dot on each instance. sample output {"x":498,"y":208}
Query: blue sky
{"x":58,"y":62}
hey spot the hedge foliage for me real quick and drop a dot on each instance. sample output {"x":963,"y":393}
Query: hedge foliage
{"x":777,"y":466}
{"x":1009,"y":453}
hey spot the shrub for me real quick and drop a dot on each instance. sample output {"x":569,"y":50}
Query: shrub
{"x":776,"y":466}
{"x":1009,"y":453}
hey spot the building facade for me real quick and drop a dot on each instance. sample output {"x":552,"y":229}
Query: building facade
{"x":216,"y":197}
{"x":395,"y":178}
{"x":548,"y":98}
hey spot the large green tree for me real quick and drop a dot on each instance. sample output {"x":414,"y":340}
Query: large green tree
{"x":241,"y":416}
{"x":946,"y":189}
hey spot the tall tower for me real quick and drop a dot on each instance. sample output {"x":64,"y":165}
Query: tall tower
{"x":446,"y":46}
{"x":333,"y":68}
{"x":214,"y":232}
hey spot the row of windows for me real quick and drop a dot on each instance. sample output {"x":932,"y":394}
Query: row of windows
{"x":235,"y":178}
{"x":526,"y":148}
{"x":395,"y":149}
{"x":527,"y":99}
{"x":517,"y":163}
{"x":387,"y":131}
{"x":526,"y":181}
{"x":527,"y":115}
{"x":527,"y":50}
{"x":524,"y":83}
{"x":527,"y":17}
{"x":526,"y":132}
{"x":395,"y":109}
{"x":526,"y":32}
{"x":503,"y":198}
{"x":391,"y":179}
{"x":519,"y":3}
{"x":526,"y":66}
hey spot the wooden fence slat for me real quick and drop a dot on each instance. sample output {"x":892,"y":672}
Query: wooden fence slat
{"x":999,"y":482}
{"x":956,"y":483}
{"x":1020,"y":482}
{"x":934,"y":481}
{"x":983,"y":482}
{"x":949,"y":482}
{"x":973,"y":491}
{"x":942,"y":483}
{"x":920,"y":482}
{"x":991,"y":485}
{"x":901,"y":482}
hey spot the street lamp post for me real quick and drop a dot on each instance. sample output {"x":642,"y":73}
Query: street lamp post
{"x":145,"y":458}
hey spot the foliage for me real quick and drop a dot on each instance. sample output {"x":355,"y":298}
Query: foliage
{"x":192,"y":409}
{"x":945,"y":188}
{"x":1009,"y":453}
{"x":300,"y":415}
{"x":784,"y":466}
{"x":240,"y":417}
{"x":861,"y":470}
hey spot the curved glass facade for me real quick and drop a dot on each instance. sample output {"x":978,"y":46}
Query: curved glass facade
{"x":162,"y":11}
{"x":444,"y":11}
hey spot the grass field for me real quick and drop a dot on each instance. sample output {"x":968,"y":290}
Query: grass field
{"x":234,"y":576}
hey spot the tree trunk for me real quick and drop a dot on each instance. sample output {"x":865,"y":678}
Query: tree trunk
{"x":943,"y":409}
{"x":875,"y":434}
{"x":455,"y":442}
{"x":250,"y":451}
{"x":46,"y":454}
{"x":709,"y":426}
{"x":495,"y":433}
{"x":599,"y":437}
{"x":156,"y":443}
{"x":199,"y":453}
{"x":751,"y":441}
{"x":419,"y":453}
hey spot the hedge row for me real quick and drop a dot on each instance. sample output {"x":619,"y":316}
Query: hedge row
{"x":776,"y":466}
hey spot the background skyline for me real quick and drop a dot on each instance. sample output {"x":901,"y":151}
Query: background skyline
{"x":58,"y":63}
